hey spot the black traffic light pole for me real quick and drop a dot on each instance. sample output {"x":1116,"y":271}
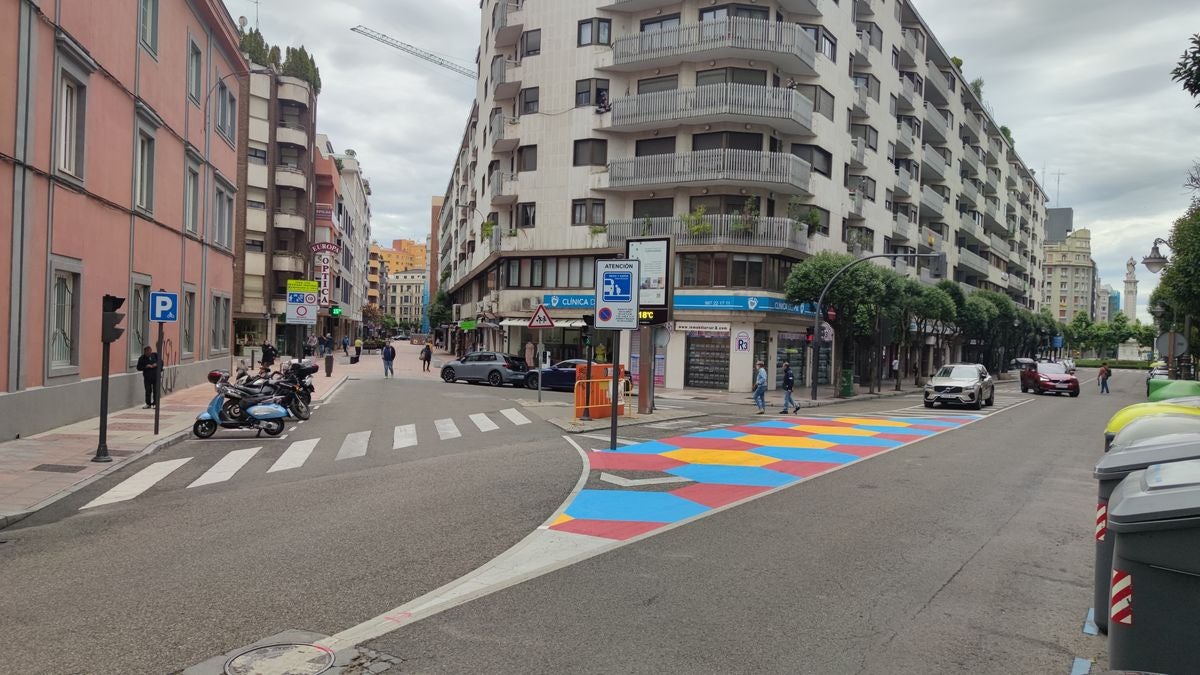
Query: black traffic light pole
{"x":817,"y":341}
{"x":587,"y":377}
{"x":109,"y":333}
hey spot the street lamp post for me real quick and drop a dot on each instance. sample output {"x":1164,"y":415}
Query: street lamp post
{"x":1157,"y":262}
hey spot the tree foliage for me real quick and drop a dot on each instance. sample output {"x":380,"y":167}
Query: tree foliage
{"x":1007,"y":133}
{"x":440,"y":310}
{"x":298,"y":62}
{"x":977,"y":87}
{"x":957,"y":62}
{"x":1187,"y":71}
{"x":1179,"y":289}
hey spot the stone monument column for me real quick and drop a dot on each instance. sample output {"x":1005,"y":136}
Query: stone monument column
{"x":1129,"y":302}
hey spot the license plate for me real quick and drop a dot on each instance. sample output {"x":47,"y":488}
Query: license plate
{"x":1061,"y":386}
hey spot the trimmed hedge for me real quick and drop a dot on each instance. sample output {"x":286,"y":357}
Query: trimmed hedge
{"x":1114,"y":364}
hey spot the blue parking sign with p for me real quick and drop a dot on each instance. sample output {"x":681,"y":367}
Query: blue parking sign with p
{"x":618,"y":287}
{"x":164,"y":307}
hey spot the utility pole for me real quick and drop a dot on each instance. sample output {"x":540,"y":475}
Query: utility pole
{"x":1058,"y":187}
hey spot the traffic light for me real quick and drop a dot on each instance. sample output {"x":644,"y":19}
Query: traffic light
{"x":589,"y":319}
{"x":938,"y":268}
{"x":585,"y":334}
{"x":111,"y":330}
{"x":335,"y":311}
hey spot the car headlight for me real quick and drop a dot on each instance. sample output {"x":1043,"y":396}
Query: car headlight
{"x":929,"y":387}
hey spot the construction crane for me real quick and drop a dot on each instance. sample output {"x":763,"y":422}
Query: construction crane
{"x":415,"y":51}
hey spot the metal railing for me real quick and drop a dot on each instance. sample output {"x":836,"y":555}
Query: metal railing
{"x":715,"y":230}
{"x":730,"y":33}
{"x":497,"y":126}
{"x":714,"y":99}
{"x":711,"y":165}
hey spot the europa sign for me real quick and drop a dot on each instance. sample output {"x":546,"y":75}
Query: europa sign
{"x":324,"y":255}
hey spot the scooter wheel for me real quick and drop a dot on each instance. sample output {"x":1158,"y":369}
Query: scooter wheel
{"x":300,"y":409}
{"x":204,"y":428}
{"x":273,"y":427}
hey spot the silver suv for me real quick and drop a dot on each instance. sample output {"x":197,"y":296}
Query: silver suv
{"x":961,"y":384}
{"x":495,"y":368}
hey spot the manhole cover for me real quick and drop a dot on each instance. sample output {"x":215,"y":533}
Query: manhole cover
{"x":287,"y":659}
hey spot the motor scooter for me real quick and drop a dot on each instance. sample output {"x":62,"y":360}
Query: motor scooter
{"x":265,"y":416}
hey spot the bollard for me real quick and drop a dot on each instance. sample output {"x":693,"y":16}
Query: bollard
{"x":329,"y":365}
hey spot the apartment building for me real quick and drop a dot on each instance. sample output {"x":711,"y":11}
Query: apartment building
{"x":754,"y":134}
{"x":406,"y":292}
{"x":405,"y":254}
{"x":1071,"y":277}
{"x":118,"y":171}
{"x":377,"y":277}
{"x":431,"y":260}
{"x":275,"y":206}
{"x":343,"y":240}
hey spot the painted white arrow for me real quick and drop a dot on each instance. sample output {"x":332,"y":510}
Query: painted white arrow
{"x":635,"y":482}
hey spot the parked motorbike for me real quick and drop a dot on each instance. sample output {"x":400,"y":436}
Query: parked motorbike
{"x":293,"y":384}
{"x":262,"y":413}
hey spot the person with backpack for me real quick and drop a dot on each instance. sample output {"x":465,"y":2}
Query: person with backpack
{"x":389,"y":355}
{"x":426,"y":357}
{"x":1102,"y":378}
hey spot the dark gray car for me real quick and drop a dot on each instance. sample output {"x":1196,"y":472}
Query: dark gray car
{"x":495,"y":368}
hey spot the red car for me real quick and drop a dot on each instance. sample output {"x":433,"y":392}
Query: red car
{"x":1048,"y":378}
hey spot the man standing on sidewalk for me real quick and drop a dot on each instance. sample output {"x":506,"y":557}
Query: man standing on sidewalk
{"x":789,"y":383}
{"x":426,"y":357}
{"x":760,"y":388}
{"x":389,"y":355}
{"x":148,"y":365}
{"x":358,"y":343}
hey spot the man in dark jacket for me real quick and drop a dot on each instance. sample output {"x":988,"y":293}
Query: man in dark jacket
{"x":148,"y":365}
{"x":389,"y":355}
{"x":789,"y":383}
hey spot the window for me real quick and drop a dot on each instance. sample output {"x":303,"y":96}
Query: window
{"x":256,"y":155}
{"x":867,"y":133}
{"x":535,"y":273}
{"x":148,"y":31}
{"x":720,"y":13}
{"x":138,"y":318}
{"x":226,"y":110}
{"x":653,"y":84}
{"x":254,"y":246}
{"x":747,"y":271}
{"x":595,"y":32}
{"x":222,"y":231}
{"x":592,"y":91}
{"x":895,"y":58}
{"x":655,"y":146}
{"x":731,"y":76}
{"x":820,"y":159}
{"x":527,"y":214}
{"x":873,"y":31}
{"x":145,"y":171}
{"x":220,"y":324}
{"x":821,"y":98}
{"x":591,"y":152}
{"x":527,"y":158}
{"x":800,"y":211}
{"x":531,"y":43}
{"x":704,"y":270}
{"x":864,"y":184}
{"x":718,"y":204}
{"x":191,"y":198}
{"x":195,"y":71}
{"x":187,"y":323}
{"x":660,"y":24}
{"x":64,"y":319}
{"x":527,"y":101}
{"x":654,"y":208}
{"x":870,"y":82}
{"x":71,"y":117}
{"x":513,"y":276}
{"x":826,"y":43}
{"x":729,"y":140}
{"x":587,"y":212}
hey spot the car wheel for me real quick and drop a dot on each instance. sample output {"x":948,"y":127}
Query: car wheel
{"x":991,"y":399}
{"x":495,"y":378}
{"x":448,"y":375}
{"x":1074,"y":394}
{"x":531,"y":382}
{"x":978,"y":400}
{"x":928,"y":404}
{"x":1024,"y":389}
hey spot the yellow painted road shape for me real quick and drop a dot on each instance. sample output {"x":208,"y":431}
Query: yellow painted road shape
{"x":722,"y":457}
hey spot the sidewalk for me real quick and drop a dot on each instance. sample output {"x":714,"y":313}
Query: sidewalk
{"x":41,"y":469}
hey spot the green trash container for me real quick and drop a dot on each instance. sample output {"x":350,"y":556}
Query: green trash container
{"x":1161,"y":390}
{"x":847,"y":389}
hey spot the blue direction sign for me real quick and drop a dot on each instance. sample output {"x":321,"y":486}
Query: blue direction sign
{"x":164,"y":307}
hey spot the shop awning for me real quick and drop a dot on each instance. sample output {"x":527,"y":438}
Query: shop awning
{"x":558,"y":323}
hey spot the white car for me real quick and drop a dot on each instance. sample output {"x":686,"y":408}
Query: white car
{"x":961,"y":384}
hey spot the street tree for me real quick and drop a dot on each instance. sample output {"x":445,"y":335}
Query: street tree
{"x":1079,"y":333}
{"x":1187,"y":71}
{"x":440,"y":310}
{"x":933,"y":311}
{"x":977,"y":316}
{"x":1179,"y":288}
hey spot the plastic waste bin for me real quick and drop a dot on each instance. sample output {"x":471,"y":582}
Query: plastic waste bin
{"x":1179,"y":406}
{"x":1151,"y":427}
{"x":1161,"y":390}
{"x":1154,"y":606}
{"x":1110,"y":471}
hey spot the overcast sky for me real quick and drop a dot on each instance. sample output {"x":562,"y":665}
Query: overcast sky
{"x":1084,"y":85}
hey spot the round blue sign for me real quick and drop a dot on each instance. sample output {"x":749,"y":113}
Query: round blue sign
{"x":605,"y":314}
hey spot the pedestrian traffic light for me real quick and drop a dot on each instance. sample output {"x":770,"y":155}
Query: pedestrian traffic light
{"x":585,"y":334}
{"x":335,"y":311}
{"x":110,"y":330}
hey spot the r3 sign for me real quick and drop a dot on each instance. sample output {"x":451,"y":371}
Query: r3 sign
{"x":742,"y":342}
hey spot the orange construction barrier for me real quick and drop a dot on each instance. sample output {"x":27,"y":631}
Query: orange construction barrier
{"x":600,"y":404}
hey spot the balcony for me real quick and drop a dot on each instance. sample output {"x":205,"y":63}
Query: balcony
{"x":995,"y":151}
{"x":785,"y":110}
{"x":505,"y":132}
{"x":288,"y":134}
{"x":936,"y":128}
{"x":865,"y":7}
{"x":290,"y":177}
{"x":932,"y":203}
{"x":991,"y":214}
{"x":973,"y":261}
{"x":999,"y":247}
{"x":903,"y":182}
{"x":777,"y":171}
{"x":936,"y":88}
{"x":908,"y":99}
{"x":854,"y":206}
{"x":294,"y":90}
{"x":1016,"y":283}
{"x":785,"y":45}
{"x":911,"y":52}
{"x":991,"y":186}
{"x":858,"y":154}
{"x":291,"y":220}
{"x":860,"y":102}
{"x":507,"y":24}
{"x":504,"y":188}
{"x":906,"y":139}
{"x":930,"y":240}
{"x":971,"y":161}
{"x":865,"y":53}
{"x":969,"y":229}
{"x":506,"y":79}
{"x":719,"y":231}
{"x":902,"y":228}
{"x":287,"y":261}
{"x":933,"y":166}
{"x":970,"y":193}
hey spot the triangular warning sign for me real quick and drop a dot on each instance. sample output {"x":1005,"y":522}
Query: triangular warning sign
{"x":541,"y":318}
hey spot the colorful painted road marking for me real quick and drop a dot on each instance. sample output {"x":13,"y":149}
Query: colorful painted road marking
{"x":731,"y":464}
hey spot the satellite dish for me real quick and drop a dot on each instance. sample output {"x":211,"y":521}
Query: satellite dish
{"x":243,"y":21}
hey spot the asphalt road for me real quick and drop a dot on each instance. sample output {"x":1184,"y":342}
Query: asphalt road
{"x":966,"y":552}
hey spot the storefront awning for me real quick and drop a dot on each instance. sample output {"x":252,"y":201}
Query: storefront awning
{"x":558,"y":323}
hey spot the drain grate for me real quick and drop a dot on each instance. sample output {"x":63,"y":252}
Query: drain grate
{"x":58,"y":468}
{"x":292,"y":659}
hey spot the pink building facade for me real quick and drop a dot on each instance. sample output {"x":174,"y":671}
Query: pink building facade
{"x":113,"y":180}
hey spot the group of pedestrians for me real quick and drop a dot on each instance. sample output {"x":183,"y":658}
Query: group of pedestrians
{"x":389,"y":359}
{"x":788,"y":385}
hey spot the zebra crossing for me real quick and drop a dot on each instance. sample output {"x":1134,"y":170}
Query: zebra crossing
{"x":295,"y":456}
{"x":1002,"y":403}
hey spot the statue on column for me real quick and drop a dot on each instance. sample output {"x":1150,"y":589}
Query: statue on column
{"x":1130,"y":270}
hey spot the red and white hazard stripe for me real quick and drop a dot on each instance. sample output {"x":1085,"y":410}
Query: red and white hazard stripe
{"x":1122,"y":598}
{"x":1101,"y":520}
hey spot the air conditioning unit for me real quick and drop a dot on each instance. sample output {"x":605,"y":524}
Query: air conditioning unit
{"x":527,"y":304}
{"x":457,"y":312}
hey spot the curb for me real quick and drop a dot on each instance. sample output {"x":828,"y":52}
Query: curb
{"x":575,"y":427}
{"x":337,"y":385}
{"x":160,"y":444}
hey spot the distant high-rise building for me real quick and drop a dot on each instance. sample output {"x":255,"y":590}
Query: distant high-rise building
{"x":1070,"y":277}
{"x":1059,"y":223}
{"x":1114,"y":302}
{"x":1103,"y":304}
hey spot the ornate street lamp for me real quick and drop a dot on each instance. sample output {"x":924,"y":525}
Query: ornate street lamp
{"x":1156,"y":261}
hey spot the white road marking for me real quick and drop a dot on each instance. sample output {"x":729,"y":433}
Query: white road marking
{"x":295,"y":456}
{"x":137,"y":483}
{"x":293,"y":428}
{"x":447,"y":429}
{"x":355,"y":445}
{"x":604,"y":437}
{"x":224,"y":469}
{"x":484,"y":422}
{"x":634,"y":482}
{"x":515,"y":416}
{"x":405,"y":436}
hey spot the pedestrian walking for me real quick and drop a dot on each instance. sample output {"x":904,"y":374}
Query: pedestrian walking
{"x":389,"y":355}
{"x":760,"y":388}
{"x":1102,"y":378}
{"x":346,"y":344}
{"x":148,"y":365}
{"x":358,"y":343}
{"x":269,"y":354}
{"x":896,"y":367}
{"x":426,"y":357}
{"x":311,"y":347}
{"x":789,"y":383}
{"x":529,"y":349}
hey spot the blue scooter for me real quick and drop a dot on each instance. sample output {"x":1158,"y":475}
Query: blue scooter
{"x":266,"y":416}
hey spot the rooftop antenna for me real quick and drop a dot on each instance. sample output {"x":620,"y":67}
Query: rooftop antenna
{"x":256,"y":3}
{"x":1057,"y":187}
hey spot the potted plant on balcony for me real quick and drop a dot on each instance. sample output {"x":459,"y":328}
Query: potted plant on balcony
{"x":597,"y":229}
{"x":695,"y":222}
{"x":745,"y":220}
{"x":647,"y":227}
{"x":805,"y":217}
{"x":487,"y":228}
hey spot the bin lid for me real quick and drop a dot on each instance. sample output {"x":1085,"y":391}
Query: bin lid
{"x":1170,"y":447}
{"x":1154,"y":425}
{"x":1161,"y":492}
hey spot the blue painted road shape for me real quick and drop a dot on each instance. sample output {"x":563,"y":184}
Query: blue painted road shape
{"x":618,"y":287}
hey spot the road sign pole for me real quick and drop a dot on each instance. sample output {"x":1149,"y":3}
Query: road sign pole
{"x":102,"y":448}
{"x":616,"y":372}
{"x":645,"y":370}
{"x":158,"y":378}
{"x":541,"y":346}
